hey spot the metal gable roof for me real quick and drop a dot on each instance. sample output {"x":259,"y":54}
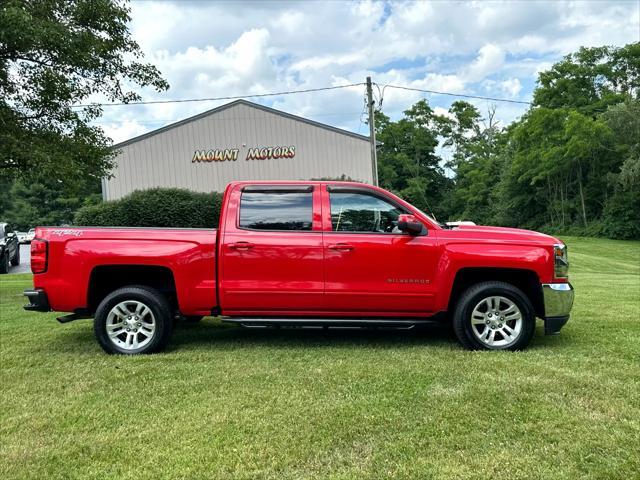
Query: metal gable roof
{"x":233,"y":104}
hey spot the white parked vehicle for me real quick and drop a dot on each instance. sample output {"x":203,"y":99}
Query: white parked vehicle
{"x":31,"y":234}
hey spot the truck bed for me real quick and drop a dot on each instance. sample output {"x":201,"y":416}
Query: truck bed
{"x":78,"y":254}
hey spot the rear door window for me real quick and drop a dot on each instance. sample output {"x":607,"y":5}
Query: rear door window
{"x":276,"y":210}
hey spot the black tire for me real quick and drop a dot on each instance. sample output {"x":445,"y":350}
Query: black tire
{"x":462,"y":316}
{"x":192,"y":319}
{"x":16,"y":258}
{"x":4,"y":264}
{"x":150,"y":297}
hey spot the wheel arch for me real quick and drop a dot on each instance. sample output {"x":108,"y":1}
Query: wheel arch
{"x":525,"y":280}
{"x":105,"y":279}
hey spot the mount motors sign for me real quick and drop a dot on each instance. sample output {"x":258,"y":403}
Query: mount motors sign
{"x":232,"y":154}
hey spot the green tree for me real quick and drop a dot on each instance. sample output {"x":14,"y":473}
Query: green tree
{"x":568,"y":163}
{"x":55,"y":54}
{"x":407,"y":159}
{"x":571,"y":163}
{"x":559,"y":159}
{"x":622,"y":209}
{"x":591,"y":79}
{"x":475,"y":161}
{"x":42,"y":200}
{"x":460,"y":131}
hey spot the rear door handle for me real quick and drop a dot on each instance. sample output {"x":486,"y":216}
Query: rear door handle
{"x":240,"y":246}
{"x":341,"y":247}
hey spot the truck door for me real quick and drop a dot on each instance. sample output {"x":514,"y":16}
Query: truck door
{"x":370,"y":266}
{"x":271,"y":252}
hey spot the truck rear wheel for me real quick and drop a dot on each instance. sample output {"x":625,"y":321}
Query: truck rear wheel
{"x":133,"y":320}
{"x":494,"y":316}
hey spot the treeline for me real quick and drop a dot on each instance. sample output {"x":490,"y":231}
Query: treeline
{"x":570,"y":164}
{"x":39,"y":199}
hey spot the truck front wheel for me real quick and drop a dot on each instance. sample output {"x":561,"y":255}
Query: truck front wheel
{"x":494,"y":316}
{"x":133,"y":320}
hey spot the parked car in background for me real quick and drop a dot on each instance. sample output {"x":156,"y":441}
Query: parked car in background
{"x":22,"y":237}
{"x":30,"y":236}
{"x":9,"y":248}
{"x":304,"y":254}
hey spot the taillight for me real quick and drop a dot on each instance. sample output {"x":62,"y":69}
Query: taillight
{"x":39,"y":256}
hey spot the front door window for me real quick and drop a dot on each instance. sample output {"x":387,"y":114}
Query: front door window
{"x":363,"y":213}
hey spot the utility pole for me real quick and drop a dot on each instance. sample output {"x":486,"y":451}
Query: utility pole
{"x":372,"y":133}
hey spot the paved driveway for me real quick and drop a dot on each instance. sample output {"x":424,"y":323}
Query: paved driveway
{"x":25,"y":260}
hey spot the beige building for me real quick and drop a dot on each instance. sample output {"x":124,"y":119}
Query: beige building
{"x":237,"y":141}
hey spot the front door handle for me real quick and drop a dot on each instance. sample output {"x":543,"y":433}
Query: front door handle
{"x":341,"y":247}
{"x":240,"y":246}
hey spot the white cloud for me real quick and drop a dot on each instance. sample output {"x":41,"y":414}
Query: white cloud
{"x":123,"y":130}
{"x":489,"y":60}
{"x":509,"y":88}
{"x":489,"y":48}
{"x":320,"y":62}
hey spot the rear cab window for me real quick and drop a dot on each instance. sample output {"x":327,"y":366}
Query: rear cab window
{"x":276,"y":208}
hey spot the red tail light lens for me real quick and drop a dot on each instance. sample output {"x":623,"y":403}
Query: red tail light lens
{"x":39,"y":256}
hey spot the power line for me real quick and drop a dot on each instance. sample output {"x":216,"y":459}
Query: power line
{"x":237,"y":97}
{"x":308,"y":90}
{"x":400,"y":87}
{"x":149,"y":121}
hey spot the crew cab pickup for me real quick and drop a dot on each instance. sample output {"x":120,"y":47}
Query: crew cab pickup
{"x":314,"y":254}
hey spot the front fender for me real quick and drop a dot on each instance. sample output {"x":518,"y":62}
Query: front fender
{"x":456,"y":257}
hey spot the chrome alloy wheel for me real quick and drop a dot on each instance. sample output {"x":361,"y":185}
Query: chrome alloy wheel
{"x":130,"y":325}
{"x":496,"y":321}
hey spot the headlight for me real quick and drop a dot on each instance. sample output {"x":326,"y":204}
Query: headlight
{"x":561,"y":261}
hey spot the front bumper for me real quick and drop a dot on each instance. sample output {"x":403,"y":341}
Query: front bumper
{"x":38,"y":301}
{"x":558,"y":300}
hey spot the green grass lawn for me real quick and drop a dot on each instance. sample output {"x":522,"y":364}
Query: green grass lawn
{"x":232,"y":404}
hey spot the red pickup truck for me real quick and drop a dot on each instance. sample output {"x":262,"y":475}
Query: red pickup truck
{"x":320,"y":254}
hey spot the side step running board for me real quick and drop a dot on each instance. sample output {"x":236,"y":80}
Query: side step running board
{"x":71,"y":317}
{"x":253,"y":322}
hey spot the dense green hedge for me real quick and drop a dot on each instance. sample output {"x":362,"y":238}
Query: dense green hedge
{"x":156,"y":207}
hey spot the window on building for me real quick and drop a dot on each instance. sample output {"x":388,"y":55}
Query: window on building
{"x":276,"y":210}
{"x":363,"y":213}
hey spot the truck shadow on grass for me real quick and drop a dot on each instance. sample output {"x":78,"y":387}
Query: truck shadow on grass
{"x":210,"y":334}
{"x":436,"y":335}
{"x":205,"y":334}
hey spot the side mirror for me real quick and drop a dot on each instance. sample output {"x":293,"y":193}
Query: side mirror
{"x":410,"y":224}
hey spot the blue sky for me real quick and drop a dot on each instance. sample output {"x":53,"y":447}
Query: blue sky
{"x":488,"y":48}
